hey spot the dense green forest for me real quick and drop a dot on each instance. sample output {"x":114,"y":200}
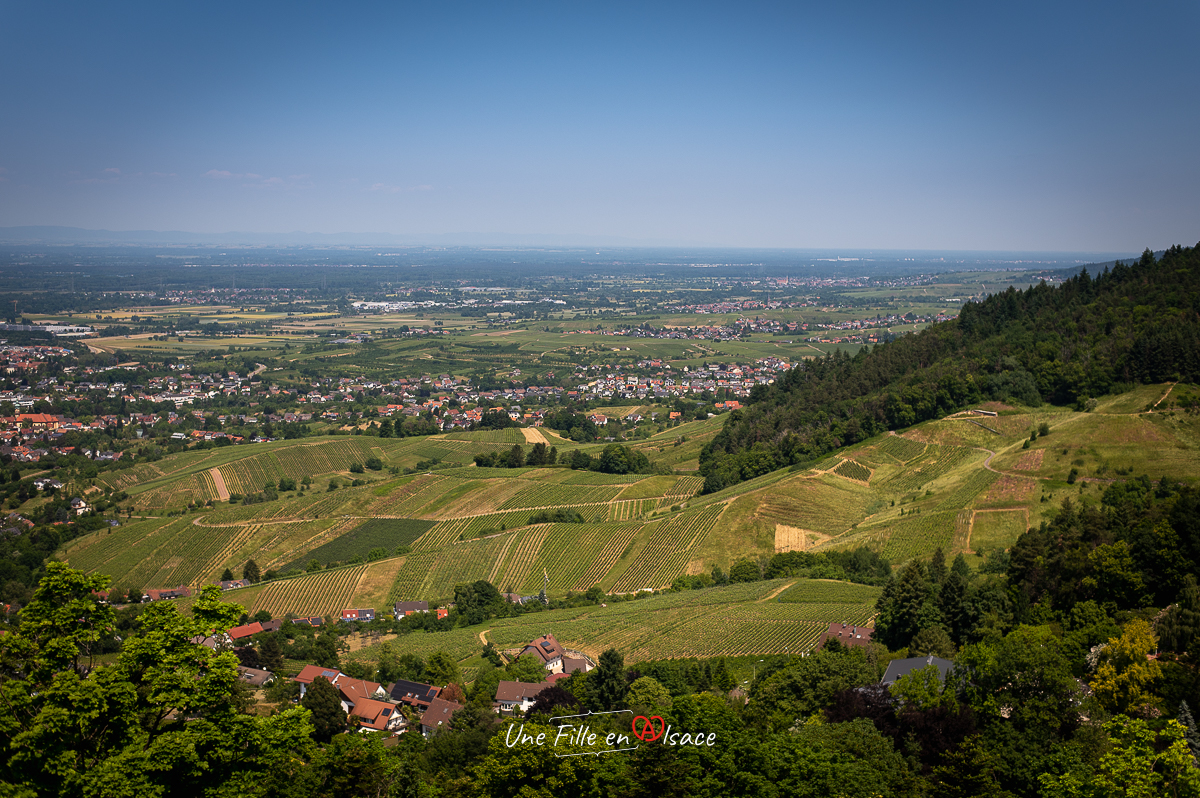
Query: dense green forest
{"x":1064,"y":345}
{"x":1030,"y":709}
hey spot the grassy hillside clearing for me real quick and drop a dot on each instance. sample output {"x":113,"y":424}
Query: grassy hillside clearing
{"x":950,"y":483}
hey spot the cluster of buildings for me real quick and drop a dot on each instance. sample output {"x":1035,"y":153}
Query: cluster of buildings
{"x":653,"y":377}
{"x":27,"y":359}
{"x":732,"y":306}
{"x":405,"y":705}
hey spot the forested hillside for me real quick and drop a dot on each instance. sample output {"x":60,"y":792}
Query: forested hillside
{"x":1132,"y":323}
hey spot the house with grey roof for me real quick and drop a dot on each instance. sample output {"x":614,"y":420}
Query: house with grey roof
{"x":902,"y":667}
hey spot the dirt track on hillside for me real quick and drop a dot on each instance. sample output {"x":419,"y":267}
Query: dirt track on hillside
{"x":219,"y":484}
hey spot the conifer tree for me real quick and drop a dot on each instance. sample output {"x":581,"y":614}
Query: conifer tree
{"x":937,"y":567}
{"x":610,"y":683}
{"x":1190,"y":733}
{"x":322,"y":700}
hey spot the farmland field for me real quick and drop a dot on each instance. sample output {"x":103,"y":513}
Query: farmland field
{"x":852,"y":470}
{"x":997,"y":529}
{"x":386,"y":533}
{"x":828,"y":591}
{"x":323,"y":593}
{"x":920,"y":495}
{"x":715,"y":622}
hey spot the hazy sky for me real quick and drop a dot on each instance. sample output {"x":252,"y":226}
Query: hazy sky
{"x":1047,"y":125}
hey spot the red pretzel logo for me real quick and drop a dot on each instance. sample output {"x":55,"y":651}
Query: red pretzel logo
{"x":646,"y":731}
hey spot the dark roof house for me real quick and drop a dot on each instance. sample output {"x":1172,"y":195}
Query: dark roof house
{"x":512,"y":696}
{"x":902,"y":667}
{"x":439,"y":713}
{"x":403,"y":608}
{"x":255,"y":677}
{"x":415,"y":694}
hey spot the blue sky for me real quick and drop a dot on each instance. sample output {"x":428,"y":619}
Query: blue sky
{"x":1008,"y":126}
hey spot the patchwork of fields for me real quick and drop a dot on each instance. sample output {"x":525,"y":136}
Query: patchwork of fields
{"x":966,"y":487}
{"x":736,"y":620}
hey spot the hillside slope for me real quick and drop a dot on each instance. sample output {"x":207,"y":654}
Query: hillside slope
{"x":1131,"y":324}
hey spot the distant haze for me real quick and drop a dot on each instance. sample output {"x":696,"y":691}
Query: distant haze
{"x":1064,"y":127}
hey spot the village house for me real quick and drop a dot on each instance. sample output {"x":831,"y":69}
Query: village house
{"x":155,"y":594}
{"x":375,"y":715}
{"x":902,"y":667}
{"x":350,"y":688}
{"x":414,"y":694}
{"x":439,"y":713}
{"x":514,"y":697}
{"x":255,"y":677}
{"x":404,"y":608}
{"x":358,"y":615}
{"x":847,"y":635}
{"x":548,"y":652}
{"x":249,"y":630}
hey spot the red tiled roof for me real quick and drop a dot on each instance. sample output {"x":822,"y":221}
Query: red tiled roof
{"x":310,"y":672}
{"x":238,"y":632}
{"x":355,"y":690}
{"x":374,"y":714}
{"x":546,"y":647}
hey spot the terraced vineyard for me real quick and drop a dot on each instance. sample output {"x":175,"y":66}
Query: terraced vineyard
{"x":557,"y":495}
{"x":323,"y":593}
{"x":516,"y":561}
{"x":385,"y":533}
{"x":605,"y":558}
{"x":444,"y":514}
{"x":509,"y":436}
{"x":665,"y":554}
{"x":825,"y":504}
{"x":569,"y":553}
{"x":684,"y":489}
{"x":597,"y":478}
{"x":249,"y":474}
{"x":828,"y":591}
{"x":468,"y":562}
{"x":968,"y":490}
{"x":938,"y":460}
{"x":902,"y":539}
{"x":852,"y":470}
{"x":900,"y":447}
{"x":447,"y":532}
{"x":716,"y":622}
{"x":191,"y":489}
{"x":411,"y":576}
{"x":631,"y":510}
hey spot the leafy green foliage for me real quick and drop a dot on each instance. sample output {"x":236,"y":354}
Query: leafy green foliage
{"x":1135,"y":550}
{"x":1009,"y":347}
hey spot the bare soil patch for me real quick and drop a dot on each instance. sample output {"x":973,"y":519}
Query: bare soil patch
{"x":219,"y":484}
{"x":1030,"y":461}
{"x":361,"y":640}
{"x":791,"y":538}
{"x":1010,"y":490}
{"x":533,"y":435}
